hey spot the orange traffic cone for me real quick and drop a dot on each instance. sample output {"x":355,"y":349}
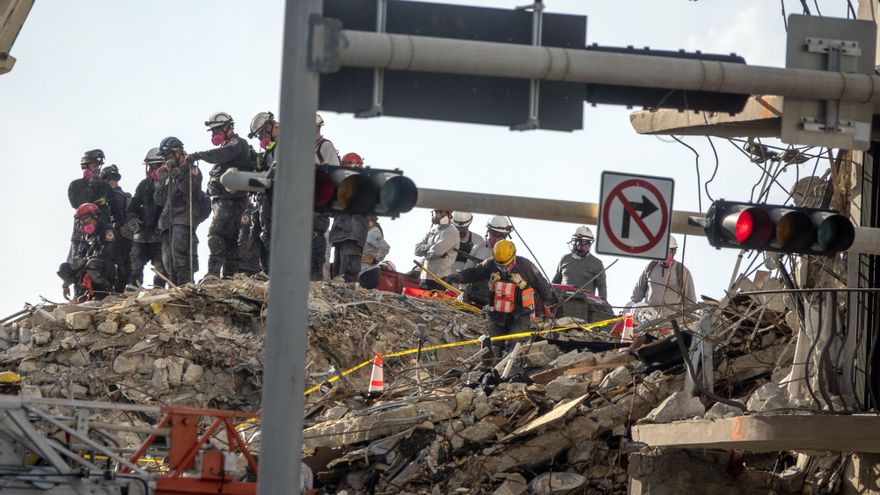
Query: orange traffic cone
{"x":377,"y":378}
{"x":627,"y":334}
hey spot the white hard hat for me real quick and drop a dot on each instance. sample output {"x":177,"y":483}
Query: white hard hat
{"x":259,"y":121}
{"x":462,"y":218}
{"x":499,"y":224}
{"x":583,"y":232}
{"x":219,"y":119}
{"x":319,"y":121}
{"x":673,"y":244}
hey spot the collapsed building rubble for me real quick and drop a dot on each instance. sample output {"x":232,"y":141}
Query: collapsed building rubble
{"x":557,"y":419}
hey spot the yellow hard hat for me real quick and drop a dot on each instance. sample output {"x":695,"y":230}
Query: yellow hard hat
{"x":9,"y":377}
{"x":504,"y":252}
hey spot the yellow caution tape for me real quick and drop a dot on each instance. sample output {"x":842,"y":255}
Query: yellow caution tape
{"x":520,"y":335}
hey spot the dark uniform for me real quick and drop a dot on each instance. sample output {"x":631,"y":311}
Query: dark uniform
{"x":249,"y":244}
{"x":178,"y":193}
{"x":511,"y":295}
{"x":348,"y":236}
{"x":97,"y":256}
{"x":262,"y":221}
{"x":82,"y":191}
{"x":228,"y":206}
{"x":147,"y":239}
{"x":119,"y":201}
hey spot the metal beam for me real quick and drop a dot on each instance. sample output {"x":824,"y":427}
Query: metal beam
{"x":480,"y":58}
{"x":287,"y":326}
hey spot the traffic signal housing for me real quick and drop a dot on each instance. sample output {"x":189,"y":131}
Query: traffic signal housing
{"x":365,"y":191}
{"x":778,"y":228}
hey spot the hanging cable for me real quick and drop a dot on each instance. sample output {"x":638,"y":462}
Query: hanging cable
{"x":714,"y":171}
{"x":699,"y":182}
{"x":516,"y":230}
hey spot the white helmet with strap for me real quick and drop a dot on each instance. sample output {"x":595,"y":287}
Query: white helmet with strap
{"x":500,"y":225}
{"x":583,"y":233}
{"x":462,"y":218}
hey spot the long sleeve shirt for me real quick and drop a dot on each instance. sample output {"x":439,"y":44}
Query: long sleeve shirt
{"x":376,"y":247}
{"x":438,"y":250}
{"x":585,"y":272}
{"x":667,"y":289}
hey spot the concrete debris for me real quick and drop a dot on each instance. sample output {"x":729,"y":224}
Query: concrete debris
{"x":444,"y":424}
{"x":721,"y":410}
{"x":768,"y":397}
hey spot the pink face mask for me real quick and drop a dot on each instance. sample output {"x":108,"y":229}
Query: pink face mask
{"x":668,"y":261}
{"x":88,"y":229}
{"x":87,"y":173}
{"x":153,"y":174}
{"x":218,"y":139}
{"x":264,"y":143}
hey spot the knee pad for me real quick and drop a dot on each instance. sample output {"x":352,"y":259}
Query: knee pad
{"x":216,"y":244}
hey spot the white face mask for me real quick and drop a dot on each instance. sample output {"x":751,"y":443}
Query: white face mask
{"x":443,"y":221}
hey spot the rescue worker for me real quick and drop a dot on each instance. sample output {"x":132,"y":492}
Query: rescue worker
{"x":348,"y":235}
{"x":467,"y":239}
{"x":512,"y":282}
{"x":119,"y":201}
{"x":88,"y":189}
{"x":325,"y":154}
{"x":178,"y":192}
{"x":497,"y":228}
{"x":142,"y":220}
{"x":376,"y":248}
{"x":10,"y":383}
{"x":666,"y":286}
{"x":93,"y":269}
{"x":437,"y":249}
{"x":580,"y":268}
{"x":265,"y":128}
{"x":228,"y":206}
{"x":249,"y":244}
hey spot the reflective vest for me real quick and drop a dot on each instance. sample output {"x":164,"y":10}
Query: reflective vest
{"x":510,"y":295}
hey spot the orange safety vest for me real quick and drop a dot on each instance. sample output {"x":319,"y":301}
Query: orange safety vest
{"x":505,"y":297}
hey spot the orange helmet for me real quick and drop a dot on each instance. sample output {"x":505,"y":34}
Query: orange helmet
{"x":352,"y":160}
{"x":87,"y":209}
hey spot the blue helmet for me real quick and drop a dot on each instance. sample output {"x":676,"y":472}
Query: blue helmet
{"x":170,"y":143}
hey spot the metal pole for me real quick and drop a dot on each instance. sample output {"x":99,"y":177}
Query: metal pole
{"x":287,"y":327}
{"x":481,"y":58}
{"x":535,"y":208}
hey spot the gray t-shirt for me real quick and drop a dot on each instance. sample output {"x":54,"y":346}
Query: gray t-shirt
{"x":579,"y":271}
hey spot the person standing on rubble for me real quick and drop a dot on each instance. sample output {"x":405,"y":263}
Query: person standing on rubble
{"x":179,"y":191}
{"x":228,"y":206}
{"x":88,"y":189}
{"x":119,"y":201}
{"x":93,"y":269}
{"x":325,"y":154}
{"x":512,"y":283}
{"x":497,"y":228}
{"x":349,"y":234}
{"x":376,"y":248}
{"x":142,"y":223}
{"x":438,"y":249}
{"x":666,"y":286}
{"x":265,"y":128}
{"x":580,"y":268}
{"x":467,"y":239}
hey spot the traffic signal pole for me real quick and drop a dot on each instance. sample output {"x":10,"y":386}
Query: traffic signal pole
{"x":287,"y":325}
{"x":479,"y":58}
{"x":866,"y":240}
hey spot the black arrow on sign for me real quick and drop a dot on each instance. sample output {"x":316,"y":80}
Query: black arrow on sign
{"x":646,"y":207}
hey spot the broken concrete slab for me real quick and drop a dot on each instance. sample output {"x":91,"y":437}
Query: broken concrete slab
{"x":80,"y":320}
{"x":679,"y":405}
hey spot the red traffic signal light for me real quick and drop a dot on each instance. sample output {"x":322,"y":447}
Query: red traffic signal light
{"x":778,"y":228}
{"x":365,"y":191}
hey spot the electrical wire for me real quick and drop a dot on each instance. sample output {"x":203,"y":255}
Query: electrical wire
{"x":784,"y":18}
{"x":806,"y":8}
{"x":528,"y":248}
{"x":697,"y":164}
{"x":714,"y":171}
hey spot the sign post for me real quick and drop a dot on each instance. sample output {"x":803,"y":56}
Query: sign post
{"x":635,"y":215}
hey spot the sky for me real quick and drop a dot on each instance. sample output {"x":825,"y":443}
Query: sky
{"x":121,"y":76}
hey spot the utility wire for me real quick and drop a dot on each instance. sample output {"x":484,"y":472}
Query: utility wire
{"x":697,"y":164}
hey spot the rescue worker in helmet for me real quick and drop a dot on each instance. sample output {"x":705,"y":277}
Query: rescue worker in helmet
{"x":376,"y":248}
{"x":119,"y":201}
{"x":142,"y":221}
{"x":497,"y":228}
{"x":467,"y":239}
{"x":228,"y":206}
{"x":581,"y":269}
{"x":349,"y":234}
{"x":265,"y":128}
{"x":513,"y":282}
{"x":325,"y":154}
{"x":10,"y":383}
{"x":93,"y":269}
{"x":438,"y":249}
{"x":178,"y":191}
{"x":666,"y":286}
{"x":88,"y":189}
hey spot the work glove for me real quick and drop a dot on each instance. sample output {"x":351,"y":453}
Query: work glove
{"x":193,"y":157}
{"x":65,"y":291}
{"x":163,"y":172}
{"x":452,"y":279}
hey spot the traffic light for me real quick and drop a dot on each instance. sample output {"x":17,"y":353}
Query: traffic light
{"x":366,"y":191}
{"x":779,"y":228}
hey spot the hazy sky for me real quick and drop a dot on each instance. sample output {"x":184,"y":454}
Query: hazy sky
{"x":120,"y":76}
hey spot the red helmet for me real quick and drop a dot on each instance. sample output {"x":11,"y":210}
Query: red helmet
{"x":352,"y":160}
{"x":87,"y":209}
